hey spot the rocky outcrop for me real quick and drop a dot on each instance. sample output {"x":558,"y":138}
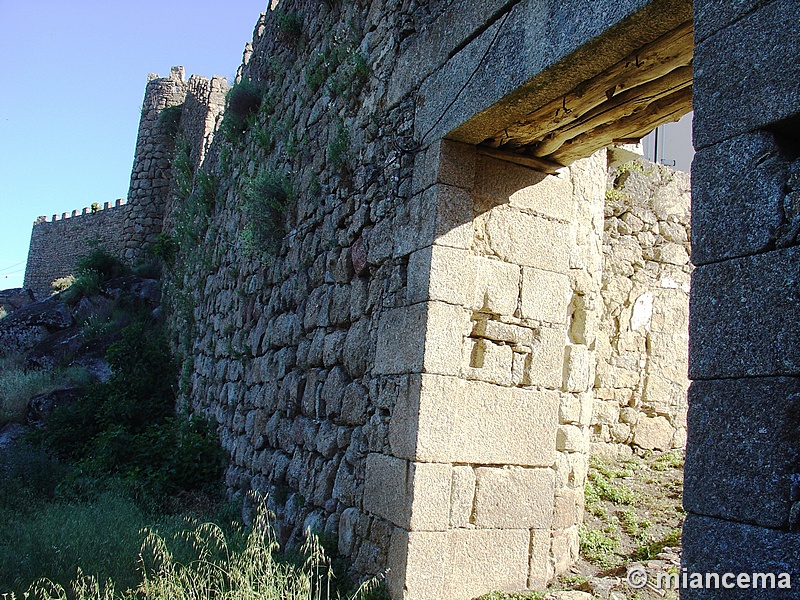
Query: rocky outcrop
{"x":26,"y":327}
{"x":52,"y":333}
{"x":14,"y":299}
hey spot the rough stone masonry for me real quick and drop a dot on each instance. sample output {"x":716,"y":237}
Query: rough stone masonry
{"x":460,"y":306}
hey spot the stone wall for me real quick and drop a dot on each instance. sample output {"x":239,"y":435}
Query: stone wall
{"x":411,"y":370}
{"x":643,"y":339}
{"x":201,"y":102}
{"x":497,"y":435}
{"x":743,"y":455}
{"x":57,"y":243}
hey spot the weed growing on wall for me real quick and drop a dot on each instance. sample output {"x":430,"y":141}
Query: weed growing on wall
{"x":169,"y":119}
{"x":191,"y":218}
{"x":242,"y":104}
{"x":266,"y":199}
{"x":351,"y":74}
{"x":182,"y":169}
{"x":165,"y":248}
{"x":289,"y":26}
{"x":339,"y":146}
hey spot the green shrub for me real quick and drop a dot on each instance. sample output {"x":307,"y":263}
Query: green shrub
{"x":85,"y":284}
{"x":126,"y":427}
{"x":289,"y":26}
{"x":165,"y":248}
{"x":266,"y":199}
{"x":101,"y":262}
{"x":242,"y":104}
{"x":17,"y":386}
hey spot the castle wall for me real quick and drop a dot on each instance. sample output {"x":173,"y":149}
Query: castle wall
{"x":150,"y":176}
{"x":57,"y":243}
{"x":410,"y":370}
{"x":355,"y":378}
{"x":643,"y":339}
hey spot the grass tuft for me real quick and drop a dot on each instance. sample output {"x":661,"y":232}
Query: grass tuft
{"x":17,"y":386}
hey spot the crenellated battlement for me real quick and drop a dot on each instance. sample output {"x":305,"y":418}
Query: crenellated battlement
{"x":87,"y":210}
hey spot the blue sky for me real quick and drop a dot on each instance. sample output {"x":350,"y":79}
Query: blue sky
{"x":73,"y":78}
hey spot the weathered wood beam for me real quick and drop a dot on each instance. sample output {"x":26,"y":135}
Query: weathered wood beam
{"x":669,"y":108}
{"x":619,"y":107}
{"x":537,"y":164}
{"x":650,"y":62}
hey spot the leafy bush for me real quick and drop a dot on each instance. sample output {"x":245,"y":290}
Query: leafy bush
{"x":266,"y":197}
{"x":165,"y":248}
{"x":101,"y":262}
{"x":91,"y":271}
{"x":126,"y":427}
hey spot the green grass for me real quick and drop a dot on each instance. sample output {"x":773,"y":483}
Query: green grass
{"x":107,"y":550}
{"x":17,"y":386}
{"x":648,"y":551}
{"x":102,"y":537}
{"x":634,"y":526}
{"x":600,"y":546}
{"x":602,"y":485}
{"x":668,"y":460}
{"x":512,"y":596}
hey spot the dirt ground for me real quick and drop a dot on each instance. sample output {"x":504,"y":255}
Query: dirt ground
{"x":633,"y":521}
